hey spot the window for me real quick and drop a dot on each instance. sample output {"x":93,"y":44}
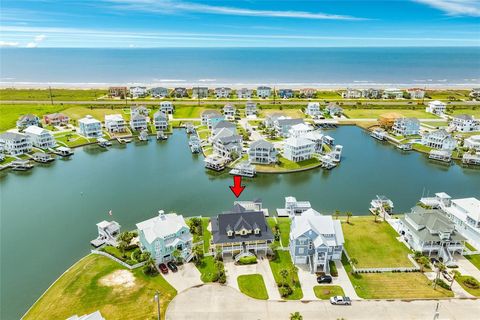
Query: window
{"x":230,"y":233}
{"x":310,"y":245}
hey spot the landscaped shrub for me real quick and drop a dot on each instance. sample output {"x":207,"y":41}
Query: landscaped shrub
{"x":333,"y":269}
{"x":131,"y":262}
{"x":442,"y":284}
{"x":247,"y":260}
{"x":285,"y":289}
{"x":471,"y":282}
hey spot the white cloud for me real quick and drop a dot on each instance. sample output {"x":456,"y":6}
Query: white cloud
{"x":455,"y":7}
{"x":8,"y":44}
{"x":32,"y":45}
{"x":40,"y":38}
{"x":36,"y":41}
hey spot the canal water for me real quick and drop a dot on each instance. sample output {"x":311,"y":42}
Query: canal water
{"x":48,"y":215}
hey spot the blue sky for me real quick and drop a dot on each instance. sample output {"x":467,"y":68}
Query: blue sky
{"x":250,"y":23}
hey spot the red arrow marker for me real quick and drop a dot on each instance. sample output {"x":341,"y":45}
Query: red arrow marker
{"x":237,"y":187}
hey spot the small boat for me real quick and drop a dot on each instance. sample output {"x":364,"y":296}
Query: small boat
{"x":378,"y":134}
{"x":161,"y":136}
{"x":21,"y":165}
{"x":63,"y":151}
{"x":103,"y":142}
{"x":405,"y":147}
{"x":42,"y":157}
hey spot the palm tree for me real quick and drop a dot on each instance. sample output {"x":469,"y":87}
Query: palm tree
{"x":349,"y":214}
{"x":375,"y":214}
{"x":122,"y":245}
{"x":198,"y":251}
{"x":337,"y":214}
{"x":423,"y":262}
{"x":284,"y":274}
{"x":124,"y":236}
{"x":293,"y":271}
{"x":177,"y":255}
{"x":296,"y":316}
{"x":440,"y":268}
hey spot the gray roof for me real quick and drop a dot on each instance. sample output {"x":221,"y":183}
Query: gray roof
{"x":229,"y":139}
{"x":28,"y":117}
{"x":12,"y":136}
{"x":289,"y":122}
{"x":237,"y":219}
{"x":224,"y":124}
{"x":464,"y":117}
{"x":261,"y":144}
{"x":160,"y":114}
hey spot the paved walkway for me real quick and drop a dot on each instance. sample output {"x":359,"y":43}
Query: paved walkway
{"x":215,"y":301}
{"x":465,"y":267}
{"x":186,"y":277}
{"x":344,"y":282}
{"x":308,"y":280}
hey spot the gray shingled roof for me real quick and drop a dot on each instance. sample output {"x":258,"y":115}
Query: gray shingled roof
{"x":224,"y":124}
{"x":12,"y":136}
{"x":289,"y":122}
{"x":261,"y":144}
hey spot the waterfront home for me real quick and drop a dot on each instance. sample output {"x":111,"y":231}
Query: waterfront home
{"x":439,"y":139}
{"x":293,"y":207}
{"x":117,"y":92}
{"x":223,"y":124}
{"x":316,"y":137}
{"x":223,"y":92}
{"x":334,"y":110}
{"x":328,"y":140}
{"x":115,"y":123}
{"x":475,"y":93}
{"x":195,"y":144}
{"x":406,"y":126}
{"x":313,"y":109}
{"x":283,"y":126}
{"x":307,"y":93}
{"x":416,"y":93}
{"x":244,"y":93}
{"x":387,"y":120}
{"x":160,"y":121}
{"x":215,"y":162}
{"x":336,"y":153}
{"x":285,"y":93}
{"x":262,"y":152}
{"x":159,"y":92}
{"x":298,"y":149}
{"x":351,"y":93}
{"x":56,"y":119}
{"x":471,"y":158}
{"x":165,"y":234}
{"x":250,"y":109}
{"x":211,"y":117}
{"x":255,"y":205}
{"x":139,"y":109}
{"x":465,"y":123}
{"x":107,"y":233}
{"x":227,"y":145}
{"x":166,"y":107}
{"x":299,"y":130}
{"x":244,"y":169}
{"x":392,"y":93}
{"x":90,"y":127}
{"x":28,"y":120}
{"x":229,"y":112}
{"x":180,"y":92}
{"x":138,"y":122}
{"x":92,"y":316}
{"x":15,"y":143}
{"x":264,"y":92}
{"x":40,"y":137}
{"x":440,"y":155}
{"x":472,"y":142}
{"x":371,"y":93}
{"x":430,"y":232}
{"x":138,"y":92}
{"x":199,"y":92}
{"x":271,"y":118}
{"x":315,"y":240}
{"x":436,"y":107}
{"x":381,"y":205}
{"x":240,"y":232}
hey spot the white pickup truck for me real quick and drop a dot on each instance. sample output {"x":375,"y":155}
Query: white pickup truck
{"x":340,"y":300}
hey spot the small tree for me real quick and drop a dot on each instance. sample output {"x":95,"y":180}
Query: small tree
{"x":353,"y":262}
{"x":177,"y":255}
{"x":296,"y":316}
{"x":423,"y":261}
{"x":122,"y":245}
{"x":293,"y":271}
{"x":337,"y":214}
{"x":440,"y":268}
{"x":284,"y":274}
{"x":349,"y":214}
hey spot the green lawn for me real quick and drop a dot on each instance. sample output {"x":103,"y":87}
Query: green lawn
{"x":475,"y":260}
{"x":253,"y":286}
{"x":287,"y":165}
{"x":325,"y":292}
{"x":284,"y":226}
{"x":474,"y":111}
{"x":284,"y":261}
{"x":473,"y":291}
{"x":271,"y":223}
{"x":446,"y":94}
{"x":375,"y":113}
{"x":207,"y":235}
{"x":291,"y":111}
{"x":9,"y":113}
{"x":374,"y":245}
{"x":204,"y":134}
{"x":207,"y":269}
{"x":70,"y":139}
{"x":421,"y":148}
{"x":329,"y":95}
{"x":57,"y":94}
{"x":79,"y":292}
{"x":76,"y":113}
{"x":188,"y":112}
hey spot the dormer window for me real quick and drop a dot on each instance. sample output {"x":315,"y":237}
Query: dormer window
{"x":230,"y":233}
{"x":256,"y":230}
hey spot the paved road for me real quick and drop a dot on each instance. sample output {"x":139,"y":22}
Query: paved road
{"x":224,"y":303}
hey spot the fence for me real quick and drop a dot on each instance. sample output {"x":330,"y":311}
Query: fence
{"x":126,"y":265}
{"x":416,"y":267}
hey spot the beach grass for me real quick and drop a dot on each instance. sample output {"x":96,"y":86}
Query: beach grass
{"x":9,"y":113}
{"x":253,"y":286}
{"x":362,"y":113}
{"x":57,"y":94}
{"x":474,"y":111}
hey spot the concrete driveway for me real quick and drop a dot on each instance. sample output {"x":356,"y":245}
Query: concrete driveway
{"x":214,"y":301}
{"x":186,"y":277}
{"x":262,"y":268}
{"x":307,"y":282}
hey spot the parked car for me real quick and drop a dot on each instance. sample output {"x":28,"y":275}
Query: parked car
{"x":433,"y":261}
{"x":172,"y":266}
{"x":340,"y":300}
{"x":324,"y":279}
{"x":163,"y":268}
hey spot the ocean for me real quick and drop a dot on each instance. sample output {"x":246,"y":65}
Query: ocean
{"x":281,"y":67}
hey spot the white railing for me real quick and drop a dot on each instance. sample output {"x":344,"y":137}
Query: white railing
{"x":126,"y":265}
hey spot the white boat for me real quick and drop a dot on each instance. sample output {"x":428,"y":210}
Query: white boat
{"x":42,"y":157}
{"x":21,"y":165}
{"x":378,"y":134}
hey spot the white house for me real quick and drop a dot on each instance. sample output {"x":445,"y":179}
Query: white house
{"x":15,"y":143}
{"x":244,"y":93}
{"x":211,"y":117}
{"x":90,"y":127}
{"x":315,"y":240}
{"x":416,"y":93}
{"x":270,"y":119}
{"x":227,"y":144}
{"x":28,"y":120}
{"x":472,"y":142}
{"x":166,"y":107}
{"x":224,"y":124}
{"x":334,"y":110}
{"x":165,"y":234}
{"x":40,"y":137}
{"x":139,"y":109}
{"x":264,"y":92}
{"x":436,"y":107}
{"x":439,"y":139}
{"x":283,"y":125}
{"x":316,"y":137}
{"x":159,"y":92}
{"x":406,"y":126}
{"x":465,"y":213}
{"x":263,"y":152}
{"x":465,"y":123}
{"x":138,"y":92}
{"x":313,"y":109}
{"x":298,"y":149}
{"x":250,"y":109}
{"x":299,"y":130}
{"x":293,"y":207}
{"x":160,"y":121}
{"x":115,"y":123}
{"x":392,"y":93}
{"x":223,"y":92}
{"x":371,"y":93}
{"x":352,"y":94}
{"x":138,"y":122}
{"x":229,"y":112}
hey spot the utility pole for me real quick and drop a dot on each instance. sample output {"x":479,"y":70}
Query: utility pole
{"x":50,"y":91}
{"x":274,"y":95}
{"x":157,"y":299}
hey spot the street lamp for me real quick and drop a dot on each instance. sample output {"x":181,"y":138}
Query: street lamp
{"x":157,"y":299}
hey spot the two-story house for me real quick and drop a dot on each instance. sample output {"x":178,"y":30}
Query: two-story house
{"x":160,"y":121}
{"x":264,"y":92}
{"x":351,"y":93}
{"x":392,"y":93}
{"x":465,"y":123}
{"x":298,"y":149}
{"x":40,"y":138}
{"x":439,"y":139}
{"x":227,"y":144}
{"x":244,"y":93}
{"x":56,"y":119}
{"x":313,"y":109}
{"x":307,"y":93}
{"x":211,"y":117}
{"x":27,"y":121}
{"x":436,"y":107}
{"x":229,"y":112}
{"x":285,"y":93}
{"x":406,"y":126}
{"x":138,"y":92}
{"x":159,"y":92}
{"x":262,"y":152}
{"x":15,"y":143}
{"x":138,"y":122}
{"x":299,"y":130}
{"x":250,"y":109}
{"x":180,"y":92}
{"x":222,"y":92}
{"x":416,"y":93}
{"x":334,"y":110}
{"x":199,"y":92}
{"x":166,"y":107}
{"x":90,"y":127}
{"x":115,"y":123}
{"x":117,"y":92}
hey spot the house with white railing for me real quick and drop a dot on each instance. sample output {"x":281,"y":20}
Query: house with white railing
{"x":436,"y":107}
{"x":465,"y":123}
{"x":115,"y":123}
{"x":160,"y":121}
{"x":90,"y":127}
{"x":298,"y":149}
{"x":262,"y":152}
{"x":138,"y":92}
{"x":244,"y":93}
{"x":313,"y":109}
{"x":250,"y":109}
{"x":40,"y":138}
{"x":229,"y":111}
{"x":264,"y":92}
{"x":27,"y":121}
{"x":439,"y":139}
{"x":406,"y":126}
{"x":223,"y":92}
{"x":211,"y":117}
{"x":159,"y":92}
{"x":15,"y":143}
{"x":166,"y":107}
{"x":138,"y":122}
{"x":293,"y":207}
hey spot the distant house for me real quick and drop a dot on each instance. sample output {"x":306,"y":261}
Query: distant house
{"x":166,"y":107}
{"x":227,"y":144}
{"x":138,"y":92}
{"x":250,"y":109}
{"x":315,"y":240}
{"x":439,"y":139}
{"x":115,"y":123}
{"x":139,"y":109}
{"x":180,"y":92}
{"x":432,"y":233}
{"x":352,"y":94}
{"x":165,"y":234}
{"x":27,"y":121}
{"x":56,"y":119}
{"x":472,"y":142}
{"x":117,"y":92}
{"x":416,"y":93}
{"x":262,"y":152}
{"x":223,"y":124}
{"x":90,"y":127}
{"x":240,"y":232}
{"x":199,"y":92}
{"x":406,"y":126}
{"x":138,"y":122}
{"x":159,"y":92}
{"x":211,"y":117}
{"x":313,"y":109}
{"x":392,"y":93}
{"x":436,"y":107}
{"x":299,"y":130}
{"x":282,"y":126}
{"x":371,"y":93}
{"x":264,"y":92}
{"x":222,"y":92}
{"x":298,"y":149}
{"x":15,"y":143}
{"x":244,"y":93}
{"x":229,"y":111}
{"x":40,"y":137}
{"x":334,"y":110}
{"x":285,"y":93}
{"x":465,"y":123}
{"x":160,"y":121}
{"x":92,"y":316}
{"x":475,"y":93}
{"x":307,"y":93}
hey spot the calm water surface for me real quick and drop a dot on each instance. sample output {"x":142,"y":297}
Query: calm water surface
{"x":48,"y":215}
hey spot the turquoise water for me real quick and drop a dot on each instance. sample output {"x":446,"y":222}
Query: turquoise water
{"x":48,"y":215}
{"x":236,"y":66}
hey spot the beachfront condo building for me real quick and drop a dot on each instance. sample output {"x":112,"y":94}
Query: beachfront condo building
{"x":15,"y":143}
{"x":90,"y":127}
{"x":40,"y":138}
